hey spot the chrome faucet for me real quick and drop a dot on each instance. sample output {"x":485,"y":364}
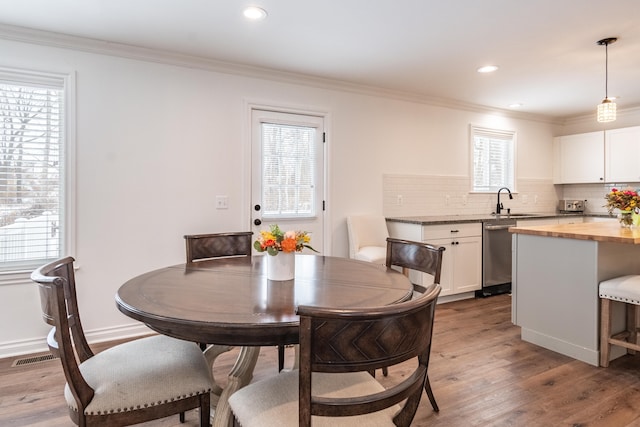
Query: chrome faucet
{"x":499,"y":206}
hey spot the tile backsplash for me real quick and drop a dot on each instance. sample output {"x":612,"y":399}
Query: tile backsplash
{"x":594,"y":194}
{"x":414,"y":195}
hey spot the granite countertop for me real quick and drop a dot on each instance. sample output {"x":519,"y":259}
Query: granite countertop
{"x":452,"y":219}
{"x":609,"y":231}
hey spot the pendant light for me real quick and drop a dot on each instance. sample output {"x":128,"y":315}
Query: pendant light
{"x":607,"y":109}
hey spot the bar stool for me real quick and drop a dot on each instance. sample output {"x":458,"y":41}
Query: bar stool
{"x":625,"y":289}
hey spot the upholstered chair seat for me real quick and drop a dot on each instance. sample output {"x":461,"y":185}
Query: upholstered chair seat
{"x":374,"y":254}
{"x":274,"y":401}
{"x":143,"y":373}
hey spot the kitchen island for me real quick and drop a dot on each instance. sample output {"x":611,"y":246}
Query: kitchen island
{"x":556,"y":272}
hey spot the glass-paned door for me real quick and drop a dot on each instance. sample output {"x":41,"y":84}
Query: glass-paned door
{"x":288,"y":173}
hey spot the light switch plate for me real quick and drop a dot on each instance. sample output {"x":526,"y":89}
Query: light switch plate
{"x":222,"y":202}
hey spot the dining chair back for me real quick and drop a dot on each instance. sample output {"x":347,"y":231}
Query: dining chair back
{"x":422,"y":257}
{"x":338,"y":348}
{"x":216,"y":245}
{"x":130,"y":383}
{"x":419,"y":256}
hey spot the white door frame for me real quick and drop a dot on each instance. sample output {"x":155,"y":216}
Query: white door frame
{"x":247,"y":211}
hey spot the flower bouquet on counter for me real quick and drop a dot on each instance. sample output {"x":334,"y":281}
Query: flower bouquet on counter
{"x":625,"y":200}
{"x":275,"y":240}
{"x":628,"y":202}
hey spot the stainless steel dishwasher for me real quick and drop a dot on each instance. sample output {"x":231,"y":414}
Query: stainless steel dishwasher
{"x":496,"y":256}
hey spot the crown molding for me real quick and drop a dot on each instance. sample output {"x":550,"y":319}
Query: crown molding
{"x":65,"y":41}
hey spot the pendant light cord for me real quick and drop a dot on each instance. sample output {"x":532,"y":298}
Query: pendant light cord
{"x":606,"y":70}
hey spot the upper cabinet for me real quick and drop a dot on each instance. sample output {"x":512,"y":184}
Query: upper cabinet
{"x":622,"y":155}
{"x":597,"y":157}
{"x":579,"y":158}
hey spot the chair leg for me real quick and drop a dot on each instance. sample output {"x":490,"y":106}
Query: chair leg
{"x":432,"y":398}
{"x":605,"y":331}
{"x":632,"y":326}
{"x":280,"y":358}
{"x":205,"y":410}
{"x":385,"y":371}
{"x":181,"y":417}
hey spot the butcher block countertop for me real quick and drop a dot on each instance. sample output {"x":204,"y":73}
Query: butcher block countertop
{"x":609,"y":231}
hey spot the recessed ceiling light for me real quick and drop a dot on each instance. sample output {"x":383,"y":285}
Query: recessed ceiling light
{"x":488,"y":69}
{"x":254,"y":13}
{"x":515,"y":105}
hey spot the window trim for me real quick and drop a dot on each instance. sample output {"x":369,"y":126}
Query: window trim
{"x":475,"y":130}
{"x":21,"y":274}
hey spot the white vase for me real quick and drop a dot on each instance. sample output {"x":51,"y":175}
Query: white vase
{"x":281,"y":266}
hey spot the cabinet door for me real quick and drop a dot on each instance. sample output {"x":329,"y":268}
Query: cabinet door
{"x":622,"y":155}
{"x":461,"y":265}
{"x":467,"y":272}
{"x":579,"y":158}
{"x":446,"y":274}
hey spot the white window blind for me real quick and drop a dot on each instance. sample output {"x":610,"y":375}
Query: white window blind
{"x":493,"y":159}
{"x":288,"y":165}
{"x":31,"y":170}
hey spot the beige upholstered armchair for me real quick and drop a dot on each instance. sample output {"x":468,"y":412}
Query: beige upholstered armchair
{"x":368,"y":238}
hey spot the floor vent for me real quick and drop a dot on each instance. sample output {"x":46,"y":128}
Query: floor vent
{"x":33,"y":360}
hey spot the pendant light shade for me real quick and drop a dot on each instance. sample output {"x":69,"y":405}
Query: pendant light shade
{"x":606,"y":109}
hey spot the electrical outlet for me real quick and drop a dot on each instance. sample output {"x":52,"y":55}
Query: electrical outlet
{"x":446,"y":200}
{"x":535,"y":199}
{"x":222,"y":202}
{"x":464,"y":199}
{"x":399,"y":200}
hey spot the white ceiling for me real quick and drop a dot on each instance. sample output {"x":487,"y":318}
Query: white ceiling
{"x":546,"y":49}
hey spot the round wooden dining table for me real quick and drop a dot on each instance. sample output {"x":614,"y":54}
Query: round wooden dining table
{"x":229,"y":301}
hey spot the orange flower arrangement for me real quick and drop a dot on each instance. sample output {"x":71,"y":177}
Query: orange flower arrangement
{"x":275,"y":240}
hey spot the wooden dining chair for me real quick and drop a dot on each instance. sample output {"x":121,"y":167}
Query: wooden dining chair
{"x":419,"y":256}
{"x":333,"y":386}
{"x":218,"y":245}
{"x":130,"y":383}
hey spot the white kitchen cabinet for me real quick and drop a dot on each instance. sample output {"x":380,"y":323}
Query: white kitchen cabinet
{"x":579,"y":158}
{"x":461,"y":260}
{"x":622,"y":148}
{"x":549,"y":221}
{"x":536,"y":221}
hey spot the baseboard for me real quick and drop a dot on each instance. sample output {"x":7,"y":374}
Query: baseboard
{"x":39,"y":345}
{"x":456,"y":297}
{"x":590,"y":356}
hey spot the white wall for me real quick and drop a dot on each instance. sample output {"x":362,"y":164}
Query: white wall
{"x":156,"y":143}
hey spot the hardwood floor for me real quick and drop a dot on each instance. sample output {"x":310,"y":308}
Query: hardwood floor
{"x":481,"y":373}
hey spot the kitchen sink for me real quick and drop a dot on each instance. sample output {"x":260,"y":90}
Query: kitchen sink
{"x":514,"y":215}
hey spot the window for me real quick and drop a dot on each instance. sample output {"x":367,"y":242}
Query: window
{"x":493,"y":159}
{"x":34,"y":171}
{"x":288,"y":170}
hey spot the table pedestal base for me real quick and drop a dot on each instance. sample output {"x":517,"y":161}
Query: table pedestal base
{"x":240,"y":376}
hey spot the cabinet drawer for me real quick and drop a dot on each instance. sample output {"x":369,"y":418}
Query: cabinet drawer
{"x":444,"y":231}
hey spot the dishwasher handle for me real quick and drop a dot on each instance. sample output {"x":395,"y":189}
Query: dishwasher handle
{"x":498,"y":227}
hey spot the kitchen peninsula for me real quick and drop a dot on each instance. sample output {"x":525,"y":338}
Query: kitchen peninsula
{"x":556,"y":272}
